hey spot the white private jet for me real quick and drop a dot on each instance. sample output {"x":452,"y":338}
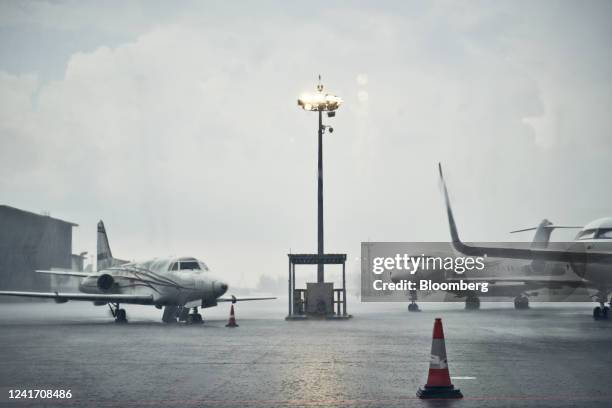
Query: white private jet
{"x":537,"y":274}
{"x":589,"y":256}
{"x":177,"y":284}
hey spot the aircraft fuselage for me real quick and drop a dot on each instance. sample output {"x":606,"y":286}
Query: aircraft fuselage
{"x":159,"y":278}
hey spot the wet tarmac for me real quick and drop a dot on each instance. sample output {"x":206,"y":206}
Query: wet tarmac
{"x":549,"y":356}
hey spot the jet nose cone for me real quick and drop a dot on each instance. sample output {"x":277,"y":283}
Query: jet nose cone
{"x":220,"y":288}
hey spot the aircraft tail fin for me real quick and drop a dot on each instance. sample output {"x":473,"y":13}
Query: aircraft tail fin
{"x":541,"y":237}
{"x":105,"y":256}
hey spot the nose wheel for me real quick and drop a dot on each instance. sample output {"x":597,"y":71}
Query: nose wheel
{"x":195,"y":317}
{"x":180,"y":313}
{"x":183,"y":314}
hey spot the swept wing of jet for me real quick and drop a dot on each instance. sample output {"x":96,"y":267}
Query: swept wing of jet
{"x":62,"y":297}
{"x":234,"y":299}
{"x":575,"y":256}
{"x":590,"y":255}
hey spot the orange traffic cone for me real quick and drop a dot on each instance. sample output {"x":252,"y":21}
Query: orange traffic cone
{"x":232,"y":319}
{"x":438,"y":381}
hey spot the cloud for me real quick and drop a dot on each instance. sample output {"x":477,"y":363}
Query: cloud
{"x":186,"y":138}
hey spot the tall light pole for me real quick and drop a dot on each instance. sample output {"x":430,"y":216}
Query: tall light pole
{"x":320,"y":102}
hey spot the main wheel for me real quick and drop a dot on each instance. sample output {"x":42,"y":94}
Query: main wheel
{"x":521,"y":302}
{"x":597,"y":313}
{"x":121,"y":316}
{"x":604,"y":312}
{"x":472,"y":303}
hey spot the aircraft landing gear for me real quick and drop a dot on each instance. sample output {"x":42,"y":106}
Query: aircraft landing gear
{"x":121,"y":316}
{"x":472,"y":302}
{"x":195,"y":317}
{"x":183,"y":314}
{"x":601,"y":312}
{"x":413,"y":306}
{"x":170,"y":313}
{"x":118,"y":313}
{"x":521,"y":302}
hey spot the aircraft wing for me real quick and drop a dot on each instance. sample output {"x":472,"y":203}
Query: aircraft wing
{"x":571,"y":256}
{"x":65,"y":273}
{"x":552,"y":227}
{"x":64,"y":297}
{"x":544,"y":281}
{"x":234,"y":299}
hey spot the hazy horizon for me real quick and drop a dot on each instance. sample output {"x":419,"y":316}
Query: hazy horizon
{"x":177,"y":123}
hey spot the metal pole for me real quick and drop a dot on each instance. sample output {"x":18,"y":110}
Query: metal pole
{"x":289,"y":286}
{"x":320,"y":251}
{"x":293,"y":287}
{"x":343,"y":289}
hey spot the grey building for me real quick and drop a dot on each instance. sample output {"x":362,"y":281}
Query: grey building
{"x":30,"y":241}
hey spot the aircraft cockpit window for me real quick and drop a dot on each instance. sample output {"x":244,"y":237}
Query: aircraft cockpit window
{"x":190,"y":265}
{"x":605,"y":233}
{"x":587,"y":234}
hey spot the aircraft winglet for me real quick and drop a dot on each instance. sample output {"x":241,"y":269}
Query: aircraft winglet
{"x":449,"y":211}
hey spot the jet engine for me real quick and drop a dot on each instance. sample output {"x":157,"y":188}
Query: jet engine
{"x":105,"y":282}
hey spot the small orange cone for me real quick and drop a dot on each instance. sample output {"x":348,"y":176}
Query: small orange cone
{"x":232,"y":319}
{"x":438,"y":381}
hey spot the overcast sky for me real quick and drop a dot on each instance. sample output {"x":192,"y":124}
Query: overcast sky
{"x":176,"y":122}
